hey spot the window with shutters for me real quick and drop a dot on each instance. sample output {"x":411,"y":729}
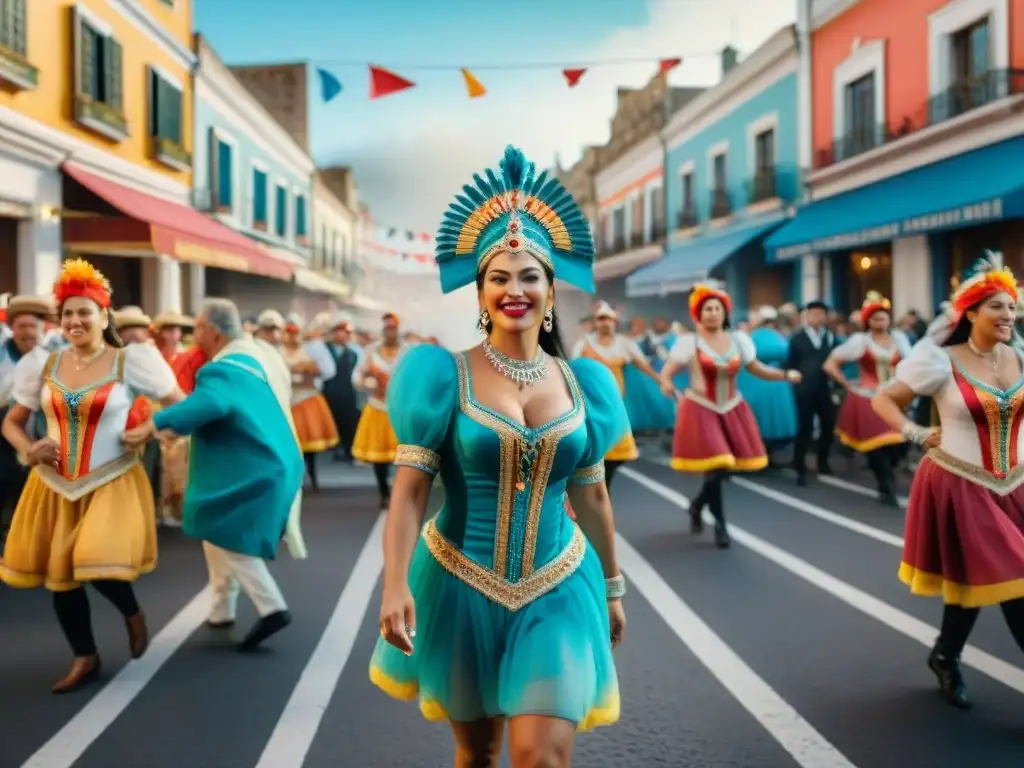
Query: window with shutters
{"x":14,"y":66}
{"x":260,"y":198}
{"x":165,"y":122}
{"x":99,"y":96}
{"x":300,"y":219}
{"x":281,"y":211}
{"x":222,"y":172}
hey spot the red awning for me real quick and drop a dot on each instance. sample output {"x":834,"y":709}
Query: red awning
{"x":168,"y":228}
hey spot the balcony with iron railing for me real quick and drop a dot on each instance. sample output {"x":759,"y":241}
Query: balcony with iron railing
{"x":720,"y":203}
{"x":762,"y":186}
{"x":958,"y":99}
{"x":687,"y":218}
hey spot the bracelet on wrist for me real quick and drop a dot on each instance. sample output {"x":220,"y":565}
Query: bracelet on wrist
{"x":915,"y":433}
{"x":615,"y":587}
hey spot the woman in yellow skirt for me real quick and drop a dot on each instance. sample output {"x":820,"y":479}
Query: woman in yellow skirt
{"x":310,"y":363}
{"x":86,"y":514}
{"x":616,"y":350}
{"x":375,"y":440}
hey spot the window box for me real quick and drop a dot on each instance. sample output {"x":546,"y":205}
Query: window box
{"x":15,"y":70}
{"x":100,"y":118}
{"x":171,"y":154}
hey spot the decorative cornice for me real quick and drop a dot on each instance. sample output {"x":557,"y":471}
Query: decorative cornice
{"x":135,"y":12}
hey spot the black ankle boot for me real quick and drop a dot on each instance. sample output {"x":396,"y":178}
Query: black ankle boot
{"x":951,"y":679}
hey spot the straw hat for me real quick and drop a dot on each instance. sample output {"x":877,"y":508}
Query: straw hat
{"x":173,"y":320}
{"x":131,"y":317}
{"x":29,"y":305}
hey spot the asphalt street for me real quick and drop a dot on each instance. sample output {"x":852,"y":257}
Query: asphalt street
{"x":797,"y":647}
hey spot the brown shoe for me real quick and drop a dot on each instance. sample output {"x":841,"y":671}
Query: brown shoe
{"x":138,"y":634}
{"x":84,"y":670}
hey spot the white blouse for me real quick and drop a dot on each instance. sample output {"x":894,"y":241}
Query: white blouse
{"x":713,"y":376}
{"x":374,"y":360}
{"x":315,"y":352}
{"x":88,"y":422}
{"x":622,"y":349}
{"x":860,"y":344}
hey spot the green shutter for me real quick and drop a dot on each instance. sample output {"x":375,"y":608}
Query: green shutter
{"x":17,"y":41}
{"x":6,"y":25}
{"x":113,"y":74}
{"x":86,"y":57}
{"x":162,"y":111}
{"x":174,"y":132}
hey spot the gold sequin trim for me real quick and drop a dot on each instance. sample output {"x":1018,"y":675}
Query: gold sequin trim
{"x":721,"y":408}
{"x":512,"y":596}
{"x":588,"y":475}
{"x":979,"y":475}
{"x":73,"y":490}
{"x":417,"y":457}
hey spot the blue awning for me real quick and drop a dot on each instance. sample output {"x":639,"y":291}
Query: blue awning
{"x":973,"y":188}
{"x":692,"y":261}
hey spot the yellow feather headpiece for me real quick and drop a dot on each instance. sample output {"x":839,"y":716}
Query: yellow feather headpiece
{"x":80,"y":278}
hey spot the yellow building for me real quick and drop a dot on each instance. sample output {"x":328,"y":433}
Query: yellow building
{"x":93,"y":89}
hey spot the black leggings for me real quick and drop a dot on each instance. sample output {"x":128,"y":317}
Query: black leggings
{"x":957,"y":623}
{"x":381,"y":471}
{"x":711,"y":496}
{"x":883,"y":462}
{"x":609,"y":471}
{"x":311,"y":469}
{"x":73,"y":613}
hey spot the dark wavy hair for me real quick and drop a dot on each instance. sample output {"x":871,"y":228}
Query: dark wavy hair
{"x":726,"y":322}
{"x":110,"y":335}
{"x":550,"y":341}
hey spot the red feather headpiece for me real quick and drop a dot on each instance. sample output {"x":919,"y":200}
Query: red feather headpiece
{"x":874,"y":302}
{"x":80,"y":278}
{"x":989,"y":278}
{"x":702,"y":293}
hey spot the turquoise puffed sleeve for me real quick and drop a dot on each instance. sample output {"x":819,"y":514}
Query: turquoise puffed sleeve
{"x":607,"y":421}
{"x":422,"y":395}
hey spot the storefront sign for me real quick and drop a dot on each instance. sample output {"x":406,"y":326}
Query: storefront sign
{"x":953,"y":218}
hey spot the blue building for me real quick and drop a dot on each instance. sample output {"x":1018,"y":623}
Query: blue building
{"x":731,"y":178}
{"x":251,"y":174}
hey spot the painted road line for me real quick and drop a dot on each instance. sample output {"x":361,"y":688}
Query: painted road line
{"x":71,"y":741}
{"x":846,"y":485}
{"x":798,"y":737}
{"x":992,"y":666}
{"x":299,"y":722}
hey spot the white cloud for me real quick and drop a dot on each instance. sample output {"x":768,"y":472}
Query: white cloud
{"x":409,"y":174}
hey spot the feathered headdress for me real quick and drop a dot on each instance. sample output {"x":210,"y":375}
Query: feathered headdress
{"x":986,"y":278}
{"x":517,"y":211}
{"x":702,"y":293}
{"x":80,"y":278}
{"x":874,"y":302}
{"x":390,"y":319}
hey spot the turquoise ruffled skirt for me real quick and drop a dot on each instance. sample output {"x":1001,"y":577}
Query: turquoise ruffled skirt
{"x":475,"y":659}
{"x":774,"y":407}
{"x":648,"y":409}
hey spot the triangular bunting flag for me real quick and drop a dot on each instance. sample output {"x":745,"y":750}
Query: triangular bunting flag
{"x":330,"y":87}
{"x":667,"y":65}
{"x":383,"y":82}
{"x":572,"y":76}
{"x":474,"y":87}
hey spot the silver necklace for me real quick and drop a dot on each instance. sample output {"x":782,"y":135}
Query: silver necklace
{"x":992,"y":358}
{"x":526,"y":372}
{"x":81,"y":364}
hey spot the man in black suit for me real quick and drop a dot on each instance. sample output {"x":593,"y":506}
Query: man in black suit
{"x":809,"y":347}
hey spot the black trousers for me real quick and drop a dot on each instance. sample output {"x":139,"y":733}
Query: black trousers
{"x":817,"y":403}
{"x":382,"y":472}
{"x":609,"y":471}
{"x":346,"y":419}
{"x":957,"y":623}
{"x":883,"y":462}
{"x":75,"y":617}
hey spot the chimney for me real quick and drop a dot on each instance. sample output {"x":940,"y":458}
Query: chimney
{"x":730,"y":57}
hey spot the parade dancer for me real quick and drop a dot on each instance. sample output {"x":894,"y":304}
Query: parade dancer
{"x":715,"y":429}
{"x":246,"y":470}
{"x":504,"y":610}
{"x":310,"y":364}
{"x":772,"y":402}
{"x":876,"y":351}
{"x":86,"y":514}
{"x":809,"y":348}
{"x":375,"y":441}
{"x":964,"y":538}
{"x":339,"y":389}
{"x":620,"y":354}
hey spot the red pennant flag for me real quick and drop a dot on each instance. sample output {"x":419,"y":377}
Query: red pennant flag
{"x":572,"y":76}
{"x":667,"y":65}
{"x":383,"y":82}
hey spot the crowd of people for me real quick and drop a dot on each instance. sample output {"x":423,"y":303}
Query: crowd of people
{"x":501,"y":611}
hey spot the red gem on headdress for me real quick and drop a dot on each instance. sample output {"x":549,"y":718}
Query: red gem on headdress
{"x":513,"y":226}
{"x":513,"y":243}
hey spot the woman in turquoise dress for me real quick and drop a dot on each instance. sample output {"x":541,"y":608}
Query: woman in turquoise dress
{"x":773,"y":402}
{"x":501,"y":609}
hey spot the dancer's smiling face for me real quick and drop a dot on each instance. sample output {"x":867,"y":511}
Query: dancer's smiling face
{"x":83,"y":320}
{"x":516,"y":291}
{"x":712,"y":314}
{"x":992,"y":320}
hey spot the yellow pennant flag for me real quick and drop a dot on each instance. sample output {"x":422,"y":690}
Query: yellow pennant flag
{"x":474,"y":87}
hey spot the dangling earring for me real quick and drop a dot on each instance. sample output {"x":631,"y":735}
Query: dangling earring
{"x":549,"y":319}
{"x":484,"y":323}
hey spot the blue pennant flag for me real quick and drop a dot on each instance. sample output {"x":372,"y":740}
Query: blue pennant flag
{"x":330,"y":87}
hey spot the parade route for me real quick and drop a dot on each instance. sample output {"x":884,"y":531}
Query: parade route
{"x":796,"y":647}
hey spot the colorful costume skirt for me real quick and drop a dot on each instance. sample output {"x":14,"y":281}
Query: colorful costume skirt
{"x":375,"y":441}
{"x":648,"y":409}
{"x":475,"y":659}
{"x":314,"y":425}
{"x":963,"y":542}
{"x":109,"y":533}
{"x":625,"y":450}
{"x":706,"y":440}
{"x":860,"y":428}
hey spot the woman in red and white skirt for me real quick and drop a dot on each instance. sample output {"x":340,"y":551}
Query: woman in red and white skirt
{"x":876,"y":351}
{"x":716,"y":432}
{"x":964,"y":538}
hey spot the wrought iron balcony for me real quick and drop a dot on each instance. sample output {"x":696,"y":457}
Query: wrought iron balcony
{"x":687,"y":217}
{"x":721,"y":203}
{"x":763,"y":186}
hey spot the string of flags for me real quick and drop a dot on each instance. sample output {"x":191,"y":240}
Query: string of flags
{"x":407,"y":244}
{"x":385,"y":82}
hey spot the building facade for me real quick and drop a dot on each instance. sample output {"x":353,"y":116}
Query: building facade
{"x":917,"y":126}
{"x":732,"y":175}
{"x":93,"y":94}
{"x":253,"y":176}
